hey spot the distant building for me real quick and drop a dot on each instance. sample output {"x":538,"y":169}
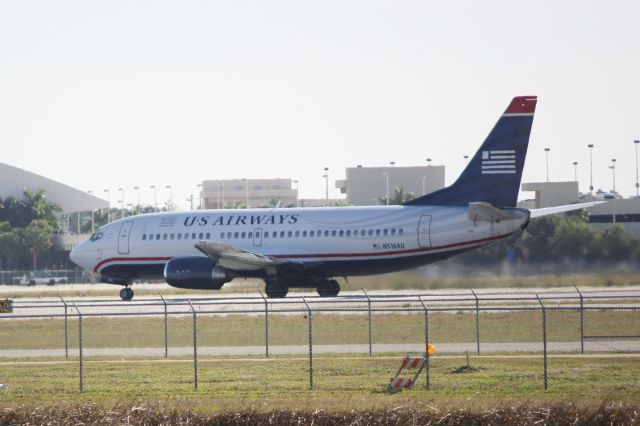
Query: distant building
{"x":624,"y":211}
{"x":14,"y":181}
{"x":549,"y":194}
{"x":364,"y":186}
{"x":224,"y":193}
{"x":76,"y":205}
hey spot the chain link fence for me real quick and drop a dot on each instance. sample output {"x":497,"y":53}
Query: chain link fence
{"x":233,"y":344}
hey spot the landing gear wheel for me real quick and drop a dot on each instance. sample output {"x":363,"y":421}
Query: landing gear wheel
{"x":276,"y":289}
{"x":328,"y":288}
{"x":126,"y":293}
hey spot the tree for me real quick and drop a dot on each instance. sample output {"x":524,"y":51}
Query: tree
{"x":38,"y":237}
{"x":618,"y":243}
{"x":399,"y":196}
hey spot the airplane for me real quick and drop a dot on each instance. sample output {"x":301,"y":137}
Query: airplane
{"x":310,"y":247}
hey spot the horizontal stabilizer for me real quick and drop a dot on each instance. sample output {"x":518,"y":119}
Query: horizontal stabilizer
{"x":487,"y":213}
{"x":561,"y":209}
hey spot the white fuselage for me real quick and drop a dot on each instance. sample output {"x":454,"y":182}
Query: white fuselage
{"x":335,"y":241}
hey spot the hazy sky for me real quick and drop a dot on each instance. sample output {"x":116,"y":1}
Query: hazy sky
{"x":123,"y":93}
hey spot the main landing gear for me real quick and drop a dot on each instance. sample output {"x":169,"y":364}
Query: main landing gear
{"x":278,"y":287}
{"x":126,"y":293}
{"x":328,"y":288}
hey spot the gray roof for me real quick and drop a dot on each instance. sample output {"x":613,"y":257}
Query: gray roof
{"x":14,"y":181}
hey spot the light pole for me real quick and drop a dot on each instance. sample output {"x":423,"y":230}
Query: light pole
{"x":424,"y":187}
{"x":246,"y":192}
{"x":297,"y":191}
{"x":575,"y":171}
{"x":155,"y":197}
{"x":108,"y":191}
{"x":392,"y":163}
{"x":466,"y":159}
{"x":428,"y":161}
{"x":137,"y":188}
{"x":122,"y":190}
{"x":636,"y":142}
{"x":326,"y":186}
{"x":93,"y":223}
{"x":546,"y":152}
{"x":386,"y":175}
{"x":613,"y":170}
{"x":200,"y":196}
{"x":170,"y":188}
{"x":590,"y":146}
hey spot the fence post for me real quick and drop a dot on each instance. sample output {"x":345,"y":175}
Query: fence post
{"x":195,"y":346}
{"x":581,"y":320}
{"x":544,"y":338}
{"x":166,"y":328}
{"x":80,"y":348}
{"x":310,"y":345}
{"x":369,"y":309}
{"x":427,"y":378}
{"x":266,"y":325}
{"x":477,"y":321}
{"x":66,"y":330}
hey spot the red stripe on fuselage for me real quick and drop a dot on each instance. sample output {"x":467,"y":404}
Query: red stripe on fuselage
{"x":324,"y":255}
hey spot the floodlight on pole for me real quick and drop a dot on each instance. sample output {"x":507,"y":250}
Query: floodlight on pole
{"x":137,"y":188}
{"x":386,"y":175}
{"x":613,"y":170}
{"x":123,"y":205}
{"x":108,"y":191}
{"x":590,"y":146}
{"x":636,"y":142}
{"x":326,"y":186}
{"x":575,"y":171}
{"x":546,"y":152}
{"x":170,"y":188}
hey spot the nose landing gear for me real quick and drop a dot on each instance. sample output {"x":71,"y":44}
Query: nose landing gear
{"x":126,"y":293}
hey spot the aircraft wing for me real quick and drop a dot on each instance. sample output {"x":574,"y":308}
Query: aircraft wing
{"x":561,"y":209}
{"x":237,"y":259}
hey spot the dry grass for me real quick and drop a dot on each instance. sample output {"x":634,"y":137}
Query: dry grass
{"x":606,"y":413}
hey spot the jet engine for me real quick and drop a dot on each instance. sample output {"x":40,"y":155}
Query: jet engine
{"x":197,"y":273}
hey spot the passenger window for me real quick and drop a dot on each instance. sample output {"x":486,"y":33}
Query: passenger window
{"x":348,"y":232}
{"x":157,"y":236}
{"x":172,"y":236}
{"x":193,"y":235}
{"x":289,"y":234}
{"x":370,"y":232}
{"x":222,"y":235}
{"x":312,"y":233}
{"x":385,"y":232}
{"x":333,"y":233}
{"x":200,"y":236}
{"x":304,"y":234}
{"x":281,"y":234}
{"x":208,"y":236}
{"x":243,"y":235}
{"x":179,"y":236}
{"x":144,"y":237}
{"x":326,"y":233}
{"x":164,"y":236}
{"x":297,"y":234}
{"x":266,"y":234}
{"x":250,"y":235}
{"x":400,"y":231}
{"x":150,"y":237}
{"x":236,"y":235}
{"x":228,"y":235}
{"x":393,"y":231}
{"x":341,"y":233}
{"x":377,"y":232}
{"x":274,"y":234}
{"x":362,"y":232}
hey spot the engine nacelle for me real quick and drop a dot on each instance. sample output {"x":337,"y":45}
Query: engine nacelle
{"x":196,"y":273}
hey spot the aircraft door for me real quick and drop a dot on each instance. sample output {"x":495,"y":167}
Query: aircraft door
{"x":257,"y":237}
{"x":424,"y":231}
{"x":123,"y":238}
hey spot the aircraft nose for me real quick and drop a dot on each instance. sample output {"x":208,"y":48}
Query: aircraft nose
{"x":78,"y":255}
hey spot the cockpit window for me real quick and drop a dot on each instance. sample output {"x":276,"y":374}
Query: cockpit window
{"x":96,"y":236}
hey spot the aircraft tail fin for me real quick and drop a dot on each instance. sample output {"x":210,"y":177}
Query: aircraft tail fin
{"x":493,"y":175}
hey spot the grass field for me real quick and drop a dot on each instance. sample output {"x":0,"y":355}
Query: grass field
{"x":329,"y":328}
{"x":339,"y":383}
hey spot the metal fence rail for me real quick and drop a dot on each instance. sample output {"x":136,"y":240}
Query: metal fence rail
{"x":369,"y":330}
